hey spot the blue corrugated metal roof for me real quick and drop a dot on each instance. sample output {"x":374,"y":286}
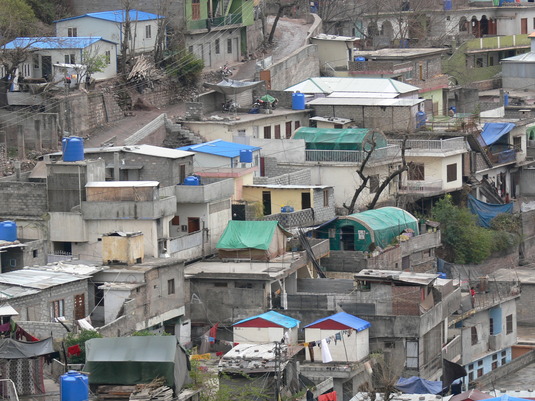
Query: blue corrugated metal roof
{"x":219,"y":148}
{"x":345,"y":318}
{"x":47,"y":43}
{"x":275,"y":317}
{"x":118,"y":16}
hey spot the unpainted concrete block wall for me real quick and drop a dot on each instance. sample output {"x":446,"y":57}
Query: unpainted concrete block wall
{"x":43,"y":330}
{"x":295,"y":68}
{"x":22,"y":199}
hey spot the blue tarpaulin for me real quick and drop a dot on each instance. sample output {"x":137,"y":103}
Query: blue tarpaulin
{"x":506,"y":397}
{"x":417,"y":385}
{"x":485,"y":212}
{"x":492,"y":132}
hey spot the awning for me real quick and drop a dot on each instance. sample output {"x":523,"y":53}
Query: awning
{"x":231,"y":87}
{"x":12,"y":349}
{"x":492,"y":132}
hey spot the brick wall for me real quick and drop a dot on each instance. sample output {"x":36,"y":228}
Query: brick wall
{"x":23,"y":199}
{"x":486,"y":84}
{"x":406,"y":300}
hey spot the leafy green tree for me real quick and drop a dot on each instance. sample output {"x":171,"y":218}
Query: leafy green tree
{"x":463,"y":240}
{"x":80,"y":339}
{"x":185,"y":66}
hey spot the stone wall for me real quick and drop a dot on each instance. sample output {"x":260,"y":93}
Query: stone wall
{"x":43,"y":330}
{"x":23,"y":199}
{"x":299,"y":66}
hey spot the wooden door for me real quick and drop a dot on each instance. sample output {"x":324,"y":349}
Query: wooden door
{"x":79,"y":306}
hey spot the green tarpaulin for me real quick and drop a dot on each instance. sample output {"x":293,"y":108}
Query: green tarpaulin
{"x":380,"y":226}
{"x":339,"y":139}
{"x":247,"y":234}
{"x":134,"y":360}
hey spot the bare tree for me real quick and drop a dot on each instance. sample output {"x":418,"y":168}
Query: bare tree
{"x":282,"y":6}
{"x":369,"y":148}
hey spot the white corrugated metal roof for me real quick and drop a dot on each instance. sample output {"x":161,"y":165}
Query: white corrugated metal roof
{"x":148,"y":150}
{"x":526,"y":57}
{"x":342,"y":101}
{"x":38,"y":279}
{"x":335,"y":84}
{"x":121,"y":184}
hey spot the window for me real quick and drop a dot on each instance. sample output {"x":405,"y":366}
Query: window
{"x":480,"y":372}
{"x":72,"y":32}
{"x":35,"y":59}
{"x":471,"y":376}
{"x":195,"y":9}
{"x":171,"y":286}
{"x":267,"y":132}
{"x":217,"y":46}
{"x":479,"y":62}
{"x":390,"y":344}
{"x":517,"y":143}
{"x":220,"y":285}
{"x":190,"y":49}
{"x":70,"y":59}
{"x":99,"y":295}
{"x":363,"y":285}
{"x":325,"y":198}
{"x":474,"y":335}
{"x":412,"y":355}
{"x":229,"y":46}
{"x":297,"y":124}
{"x":374,"y":183}
{"x":175,"y":221}
{"x":182,"y":173}
{"x":57,"y":308}
{"x":288,"y":129}
{"x":35,"y":253}
{"x":494,"y":365}
{"x":194,"y":224}
{"x":509,"y":324}
{"x":107,"y":57}
{"x":277,"y":131}
{"x":451,"y":172}
{"x":148,"y":33}
{"x":416,"y":172}
{"x":491,"y":61}
{"x":491,"y":327}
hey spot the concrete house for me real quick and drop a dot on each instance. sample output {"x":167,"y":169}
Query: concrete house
{"x":436,"y":166}
{"x":110,"y":25}
{"x":44,"y":293}
{"x":267,"y":327}
{"x":134,"y":293}
{"x":353,"y":342}
{"x":334,"y":52}
{"x":65,"y":52}
{"x":347,"y":338}
{"x":222,"y":159}
{"x":518,"y":71}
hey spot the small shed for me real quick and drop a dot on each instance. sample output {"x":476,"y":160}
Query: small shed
{"x":255,"y":240}
{"x":266,"y":327}
{"x":221,"y":154}
{"x":349,"y":336}
{"x":340,"y":139}
{"x":358,"y":231}
{"x":136,"y":360}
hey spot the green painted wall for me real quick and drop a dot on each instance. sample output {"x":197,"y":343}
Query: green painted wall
{"x":456,"y":64}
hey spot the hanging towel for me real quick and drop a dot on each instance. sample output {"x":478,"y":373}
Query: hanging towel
{"x":325,"y":352}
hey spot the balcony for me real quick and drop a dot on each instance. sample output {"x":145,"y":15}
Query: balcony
{"x":206,"y":193}
{"x":453,"y":349}
{"x":421,"y":187}
{"x":231,"y":19}
{"x":420,"y":147}
{"x":352,"y":156}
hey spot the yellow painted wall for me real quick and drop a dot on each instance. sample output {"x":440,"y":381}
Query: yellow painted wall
{"x":279,"y":197}
{"x":436,"y":97}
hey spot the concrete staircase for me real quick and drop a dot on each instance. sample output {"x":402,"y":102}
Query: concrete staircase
{"x":178,"y":135}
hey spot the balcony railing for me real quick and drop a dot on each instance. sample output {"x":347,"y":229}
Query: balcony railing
{"x":352,"y":156}
{"x":432,"y":145}
{"x":231,"y":19}
{"x":421,"y":186}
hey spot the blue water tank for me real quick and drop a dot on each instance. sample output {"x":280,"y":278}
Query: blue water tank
{"x":192,"y":180}
{"x":442,"y":275}
{"x":421,"y":118}
{"x":298,"y":101}
{"x":74,"y":386}
{"x":287,"y":209}
{"x":246,"y":156}
{"x":73,"y":149}
{"x":8,"y":231}
{"x":447,"y":5}
{"x":360,"y":58}
{"x":506,"y":99}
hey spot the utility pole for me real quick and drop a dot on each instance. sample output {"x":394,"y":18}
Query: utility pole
{"x":277,"y":370}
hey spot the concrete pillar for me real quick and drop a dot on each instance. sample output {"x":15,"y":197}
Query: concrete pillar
{"x":116,"y":166}
{"x":291,"y":283}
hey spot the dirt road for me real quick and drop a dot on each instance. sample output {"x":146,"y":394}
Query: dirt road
{"x":289,"y":36}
